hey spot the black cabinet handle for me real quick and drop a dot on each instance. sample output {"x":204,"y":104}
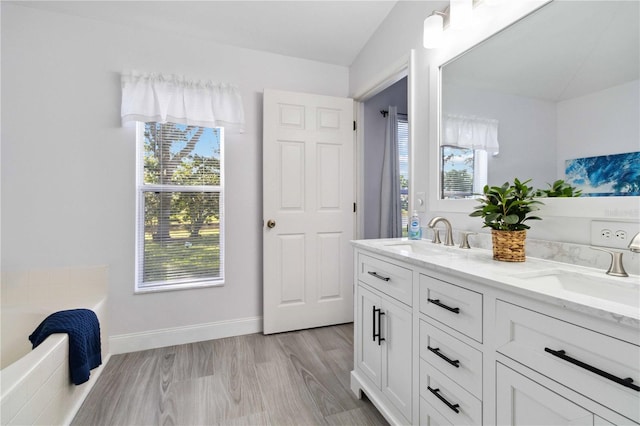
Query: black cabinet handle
{"x":448,"y":308}
{"x":373,"y":322}
{"x":436,"y":392}
{"x":378,"y":276}
{"x":436,"y":351}
{"x":380,"y":313}
{"x":628,"y":382}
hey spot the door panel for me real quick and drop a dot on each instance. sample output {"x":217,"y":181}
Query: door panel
{"x":308,"y":193}
{"x":369,"y":353}
{"x":397,"y":331}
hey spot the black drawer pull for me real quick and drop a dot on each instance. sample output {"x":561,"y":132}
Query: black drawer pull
{"x":436,"y":392}
{"x":436,"y":351}
{"x":628,"y":382}
{"x":448,"y":308}
{"x":378,"y":276}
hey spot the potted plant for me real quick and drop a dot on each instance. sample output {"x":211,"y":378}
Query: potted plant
{"x":505,"y":209}
{"x":559,"y":189}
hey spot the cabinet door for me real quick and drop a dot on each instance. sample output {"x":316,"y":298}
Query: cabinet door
{"x":369,"y":353}
{"x":396,"y":355}
{"x":521,"y":401}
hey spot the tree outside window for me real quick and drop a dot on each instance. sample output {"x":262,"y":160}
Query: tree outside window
{"x":180,"y":206}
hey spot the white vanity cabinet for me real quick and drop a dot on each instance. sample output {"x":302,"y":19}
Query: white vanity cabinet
{"x":383,"y":335}
{"x":450,"y":369}
{"x":520,"y":400}
{"x":437,"y":343}
{"x":600,"y":367}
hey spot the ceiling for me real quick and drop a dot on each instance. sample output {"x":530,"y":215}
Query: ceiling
{"x":321,"y":30}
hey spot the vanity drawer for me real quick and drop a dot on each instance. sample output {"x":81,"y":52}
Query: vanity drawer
{"x":457,"y":360}
{"x":393,"y":280}
{"x":453,"y":402}
{"x":429,"y":416}
{"x":574,"y":356}
{"x":453,"y":306}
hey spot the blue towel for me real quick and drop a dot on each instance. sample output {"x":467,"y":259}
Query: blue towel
{"x":83,"y":329}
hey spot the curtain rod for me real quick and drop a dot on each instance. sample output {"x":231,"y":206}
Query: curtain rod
{"x":384,"y":113}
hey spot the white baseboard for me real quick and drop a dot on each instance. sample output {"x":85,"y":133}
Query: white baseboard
{"x":134,"y":342}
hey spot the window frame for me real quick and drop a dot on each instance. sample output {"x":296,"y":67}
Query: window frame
{"x":479,"y":172}
{"x":141,"y":189}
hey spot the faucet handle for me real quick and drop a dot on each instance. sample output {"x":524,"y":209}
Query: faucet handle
{"x":616,"y":268}
{"x":464,"y":243}
{"x":436,"y":236}
{"x":634,"y":245}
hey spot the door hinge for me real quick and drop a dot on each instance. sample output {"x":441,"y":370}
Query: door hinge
{"x":354,"y":207}
{"x":355,"y":126}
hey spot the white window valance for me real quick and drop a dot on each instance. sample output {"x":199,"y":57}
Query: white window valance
{"x":173,"y":98}
{"x":471,"y":132}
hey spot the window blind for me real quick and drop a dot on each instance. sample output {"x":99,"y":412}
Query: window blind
{"x":403,"y":159}
{"x":180,"y":206}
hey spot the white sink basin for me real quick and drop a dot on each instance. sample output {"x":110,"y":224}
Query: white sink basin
{"x":625,"y":291}
{"x":420,"y":247}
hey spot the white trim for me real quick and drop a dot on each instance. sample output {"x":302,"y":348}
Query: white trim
{"x":133,"y":342}
{"x":396,"y":72}
{"x":358,"y":158}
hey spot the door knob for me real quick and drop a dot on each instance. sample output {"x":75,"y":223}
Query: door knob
{"x":271,"y":223}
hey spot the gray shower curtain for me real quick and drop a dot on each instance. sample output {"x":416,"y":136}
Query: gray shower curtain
{"x":390,"y":215}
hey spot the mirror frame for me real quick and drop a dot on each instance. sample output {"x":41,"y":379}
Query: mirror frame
{"x":585,"y":207}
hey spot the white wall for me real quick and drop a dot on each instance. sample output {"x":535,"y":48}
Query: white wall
{"x":526,"y":132}
{"x":389,"y":46}
{"x":601,"y":123}
{"x":374,"y":133}
{"x":68,"y":193}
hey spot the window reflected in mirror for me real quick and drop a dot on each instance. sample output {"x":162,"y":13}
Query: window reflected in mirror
{"x":464,"y":172}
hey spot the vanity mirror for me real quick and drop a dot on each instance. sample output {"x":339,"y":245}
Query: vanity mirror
{"x":560,"y":84}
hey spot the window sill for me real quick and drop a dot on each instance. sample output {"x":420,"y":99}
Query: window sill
{"x":178,"y":286}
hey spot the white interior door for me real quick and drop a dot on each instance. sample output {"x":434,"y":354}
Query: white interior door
{"x":308,"y":196}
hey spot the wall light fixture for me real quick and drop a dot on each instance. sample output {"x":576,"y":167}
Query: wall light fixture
{"x":433,"y":30}
{"x":460,"y":13}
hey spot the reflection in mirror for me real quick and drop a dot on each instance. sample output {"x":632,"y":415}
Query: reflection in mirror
{"x":562,"y":88}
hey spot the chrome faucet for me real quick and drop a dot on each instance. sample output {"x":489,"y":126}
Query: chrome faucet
{"x":616,"y":268}
{"x":448,"y":239}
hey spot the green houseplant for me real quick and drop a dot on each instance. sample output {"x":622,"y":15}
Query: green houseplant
{"x":559,"y":188}
{"x":505,"y":209}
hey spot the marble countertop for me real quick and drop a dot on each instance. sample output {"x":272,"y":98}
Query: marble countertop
{"x":478,"y":265}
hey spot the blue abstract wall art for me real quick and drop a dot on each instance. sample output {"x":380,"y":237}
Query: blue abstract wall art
{"x":606,"y":175}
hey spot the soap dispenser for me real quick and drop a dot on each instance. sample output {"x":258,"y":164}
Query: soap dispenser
{"x":415,"y":232}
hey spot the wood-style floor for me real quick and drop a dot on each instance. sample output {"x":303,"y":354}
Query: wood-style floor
{"x":295,"y":378}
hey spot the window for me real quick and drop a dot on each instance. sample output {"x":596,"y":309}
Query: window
{"x":403,"y":156}
{"x":464,"y":172}
{"x":180,"y":226}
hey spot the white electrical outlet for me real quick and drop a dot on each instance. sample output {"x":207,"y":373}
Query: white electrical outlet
{"x":613,"y":234}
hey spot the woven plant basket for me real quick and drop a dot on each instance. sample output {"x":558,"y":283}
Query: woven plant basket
{"x":508,"y":246}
